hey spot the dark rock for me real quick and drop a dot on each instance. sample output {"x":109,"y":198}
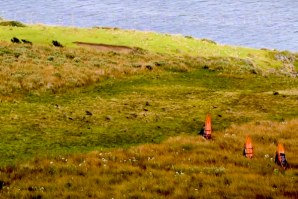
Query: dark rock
{"x":137,"y":65}
{"x":31,"y":188}
{"x":57,"y":43}
{"x":274,"y":186}
{"x":147,"y":103}
{"x":275,"y":93}
{"x":149,"y":67}
{"x":206,"y":67}
{"x":88,"y":113}
{"x":146,"y":109}
{"x":109,"y":118}
{"x":15,"y":40}
{"x":26,"y":41}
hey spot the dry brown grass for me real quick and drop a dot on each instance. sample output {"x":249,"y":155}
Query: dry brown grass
{"x":180,"y":167}
{"x":28,"y":68}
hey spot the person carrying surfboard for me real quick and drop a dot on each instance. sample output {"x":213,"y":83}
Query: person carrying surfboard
{"x":280,"y":157}
{"x":207,"y":127}
{"x":248,"y":148}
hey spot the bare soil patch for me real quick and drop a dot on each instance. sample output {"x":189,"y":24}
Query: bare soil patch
{"x":106,"y":47}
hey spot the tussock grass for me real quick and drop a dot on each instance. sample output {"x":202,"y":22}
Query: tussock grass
{"x":11,"y":23}
{"x":28,"y":69}
{"x":180,"y":167}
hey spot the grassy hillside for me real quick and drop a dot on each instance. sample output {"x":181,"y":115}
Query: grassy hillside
{"x":64,"y":103}
{"x":154,"y":42}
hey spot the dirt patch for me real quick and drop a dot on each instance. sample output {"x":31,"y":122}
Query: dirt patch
{"x":106,"y":47}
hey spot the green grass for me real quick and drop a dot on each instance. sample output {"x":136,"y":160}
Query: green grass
{"x":178,"y":101}
{"x":146,"y":96}
{"x":161,"y":43}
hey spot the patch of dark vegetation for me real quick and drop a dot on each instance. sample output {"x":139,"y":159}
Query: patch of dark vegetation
{"x":253,"y":71}
{"x":208,"y":41}
{"x":291,"y":194}
{"x":70,"y":56}
{"x":4,"y":50}
{"x":188,"y":37}
{"x":12,"y":23}
{"x":106,"y":28}
{"x":259,"y":196}
{"x":137,"y":65}
{"x":17,"y":55}
{"x":2,"y":184}
{"x":160,"y":63}
{"x":38,"y":196}
{"x":50,"y":58}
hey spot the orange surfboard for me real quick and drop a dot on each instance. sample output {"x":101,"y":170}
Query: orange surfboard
{"x":280,"y":148}
{"x":280,"y":157}
{"x":248,"y":148}
{"x":208,"y":129}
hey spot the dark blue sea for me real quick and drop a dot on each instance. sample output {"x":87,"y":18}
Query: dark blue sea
{"x":253,"y":23}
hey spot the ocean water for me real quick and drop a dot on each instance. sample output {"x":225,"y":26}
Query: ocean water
{"x":254,"y":23}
